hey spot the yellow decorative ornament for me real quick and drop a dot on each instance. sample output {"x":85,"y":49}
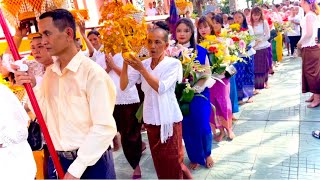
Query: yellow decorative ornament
{"x":124,"y":28}
{"x":184,"y":6}
{"x":13,"y":88}
{"x":17,"y":11}
{"x":80,"y":14}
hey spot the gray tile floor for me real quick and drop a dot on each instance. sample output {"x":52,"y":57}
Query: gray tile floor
{"x":273,"y":137}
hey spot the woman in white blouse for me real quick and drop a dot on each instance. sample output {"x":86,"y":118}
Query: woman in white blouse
{"x":161,"y":112}
{"x":261,"y":63}
{"x":16,"y":159}
{"x":310,"y":52}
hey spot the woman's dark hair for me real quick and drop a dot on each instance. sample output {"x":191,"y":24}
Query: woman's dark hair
{"x":244,"y":23}
{"x":189,"y":24}
{"x":230,"y":18}
{"x":95,"y":32}
{"x":218,"y":19}
{"x":162,"y":24}
{"x":207,"y":22}
{"x":256,"y":10}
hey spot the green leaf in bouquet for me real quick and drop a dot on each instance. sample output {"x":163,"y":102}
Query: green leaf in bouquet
{"x":179,"y":89}
{"x":220,"y":69}
{"x":187,"y":95}
{"x":185,"y":108}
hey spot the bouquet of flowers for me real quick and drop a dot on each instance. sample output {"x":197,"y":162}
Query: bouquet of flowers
{"x":238,"y":40}
{"x":219,"y":51}
{"x":284,"y":27}
{"x":192,"y":74}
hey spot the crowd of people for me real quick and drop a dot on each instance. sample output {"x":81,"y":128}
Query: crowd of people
{"x":90,"y":99}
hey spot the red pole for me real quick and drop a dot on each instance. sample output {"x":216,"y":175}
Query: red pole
{"x":33,"y":100}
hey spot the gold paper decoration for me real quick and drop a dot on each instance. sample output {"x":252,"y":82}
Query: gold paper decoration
{"x":80,"y":14}
{"x":16,"y":11}
{"x":183,"y":6}
{"x":124,"y":28}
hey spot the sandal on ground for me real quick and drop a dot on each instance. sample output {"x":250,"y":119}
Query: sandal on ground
{"x":316,"y":134}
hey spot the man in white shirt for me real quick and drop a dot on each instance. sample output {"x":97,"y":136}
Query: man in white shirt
{"x":151,"y":11}
{"x":77,"y":99}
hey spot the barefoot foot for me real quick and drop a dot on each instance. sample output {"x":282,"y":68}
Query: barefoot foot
{"x":250,"y":100}
{"x":310,"y":99}
{"x":116,"y":142}
{"x":194,"y":166}
{"x":231,"y":135}
{"x":137,"y":173}
{"x":314,"y":104}
{"x":209,"y":162}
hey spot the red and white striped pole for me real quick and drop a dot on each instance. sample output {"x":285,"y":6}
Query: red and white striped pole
{"x":33,"y":100}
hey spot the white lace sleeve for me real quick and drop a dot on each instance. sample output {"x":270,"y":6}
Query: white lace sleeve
{"x":14,"y":119}
{"x":13,"y":133}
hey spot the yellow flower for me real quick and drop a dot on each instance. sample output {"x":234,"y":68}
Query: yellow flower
{"x":224,"y":33}
{"x":235,"y":27}
{"x":204,"y":44}
{"x":219,"y":53}
{"x":211,"y":38}
{"x":186,"y":58}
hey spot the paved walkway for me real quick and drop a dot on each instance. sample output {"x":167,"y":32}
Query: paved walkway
{"x":273,"y":137}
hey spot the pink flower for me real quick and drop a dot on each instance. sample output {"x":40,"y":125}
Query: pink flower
{"x":242,"y":44}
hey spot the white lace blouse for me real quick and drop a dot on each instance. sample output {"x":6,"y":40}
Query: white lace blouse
{"x":16,"y":158}
{"x":160,"y":108}
{"x":309,"y":25}
{"x":129,"y":96}
{"x":262,"y":33}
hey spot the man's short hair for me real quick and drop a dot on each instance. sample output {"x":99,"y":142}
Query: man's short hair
{"x":163,"y":31}
{"x":62,"y":19}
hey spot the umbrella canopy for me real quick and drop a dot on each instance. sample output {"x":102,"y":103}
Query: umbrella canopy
{"x":16,"y":11}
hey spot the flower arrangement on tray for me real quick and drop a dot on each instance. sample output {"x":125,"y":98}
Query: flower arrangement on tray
{"x":124,"y":28}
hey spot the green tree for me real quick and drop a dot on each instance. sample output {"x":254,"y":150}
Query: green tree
{"x":225,"y":6}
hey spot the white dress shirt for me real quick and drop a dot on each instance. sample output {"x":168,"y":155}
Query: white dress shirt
{"x":160,"y":108}
{"x":77,"y":104}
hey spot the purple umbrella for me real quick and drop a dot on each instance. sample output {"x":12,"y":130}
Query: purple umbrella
{"x":173,"y":19}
